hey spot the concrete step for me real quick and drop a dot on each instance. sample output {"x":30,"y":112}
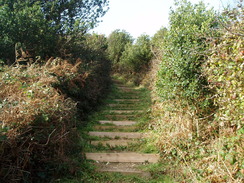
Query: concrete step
{"x":123,"y":168}
{"x":126,"y":135}
{"x":113,"y":143}
{"x":118,"y":123}
{"x":99,"y":127}
{"x":123,"y":157}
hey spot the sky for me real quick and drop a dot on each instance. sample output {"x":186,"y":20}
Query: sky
{"x":139,"y":17}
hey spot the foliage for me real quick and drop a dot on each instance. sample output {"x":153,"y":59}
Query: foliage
{"x":201,"y":148}
{"x":225,"y":70}
{"x":45,"y":26}
{"x":94,"y":47}
{"x":184,"y":50}
{"x":35,"y":121}
{"x":157,"y":40}
{"x":40,"y":106}
{"x":136,"y":56}
{"x":117,"y":42}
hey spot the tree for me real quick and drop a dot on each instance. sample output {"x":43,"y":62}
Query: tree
{"x":117,"y":42}
{"x":137,"y":56}
{"x":40,"y":24}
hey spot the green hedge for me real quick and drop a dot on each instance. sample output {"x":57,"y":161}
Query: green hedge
{"x":184,"y":52}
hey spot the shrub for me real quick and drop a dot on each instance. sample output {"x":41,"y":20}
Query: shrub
{"x":117,"y":42}
{"x":45,"y":26}
{"x":40,"y":106}
{"x":136,"y":56}
{"x":225,"y":70}
{"x":184,"y":52}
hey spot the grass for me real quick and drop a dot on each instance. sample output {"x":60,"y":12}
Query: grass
{"x":116,"y":178}
{"x":140,"y":145}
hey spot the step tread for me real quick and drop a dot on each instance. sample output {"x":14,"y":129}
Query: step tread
{"x":126,"y":116}
{"x":126,"y":100}
{"x":128,"y":127}
{"x":119,"y":123}
{"x":123,"y":168}
{"x":121,"y":105}
{"x":117,"y":134}
{"x":124,"y":111}
{"x":113,"y":142}
{"x":129,"y":157}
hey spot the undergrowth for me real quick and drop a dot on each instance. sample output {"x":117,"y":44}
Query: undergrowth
{"x":41,"y":107}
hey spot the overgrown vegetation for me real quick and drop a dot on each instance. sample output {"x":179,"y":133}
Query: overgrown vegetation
{"x":194,"y":67}
{"x":130,"y":58}
{"x":198,"y":92}
{"x":64,"y":76}
{"x":41,"y":106}
{"x":46,"y":28}
{"x":199,"y":113}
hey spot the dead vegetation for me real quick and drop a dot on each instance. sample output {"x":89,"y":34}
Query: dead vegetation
{"x":38,"y":119}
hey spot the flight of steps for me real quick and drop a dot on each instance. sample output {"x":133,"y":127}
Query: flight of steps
{"x":118,"y":129}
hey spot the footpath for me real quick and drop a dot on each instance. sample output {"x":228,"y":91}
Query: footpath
{"x":116,"y":136}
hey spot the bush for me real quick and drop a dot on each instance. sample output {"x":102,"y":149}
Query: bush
{"x":136,"y":56}
{"x":225,"y":70}
{"x":45,"y":26}
{"x":184,"y":52}
{"x":117,"y":42}
{"x":40,"y":107}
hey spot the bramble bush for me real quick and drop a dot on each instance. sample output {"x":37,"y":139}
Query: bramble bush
{"x":225,"y":70}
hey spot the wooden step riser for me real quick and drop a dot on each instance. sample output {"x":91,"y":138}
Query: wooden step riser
{"x":113,"y":143}
{"x":118,"y":123}
{"x":123,"y":157}
{"x":122,"y":168}
{"x":124,"y":106}
{"x":124,"y":111}
{"x":114,"y":127}
{"x":119,"y":117}
{"x":125,"y":172}
{"x":122,"y":135}
{"x":127,"y":89}
{"x":127,"y":100}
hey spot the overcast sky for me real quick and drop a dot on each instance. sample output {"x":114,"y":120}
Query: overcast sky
{"x":143,"y":16}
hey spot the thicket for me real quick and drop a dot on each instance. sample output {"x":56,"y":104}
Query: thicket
{"x":130,"y":58}
{"x":48,"y":28}
{"x":185,"y":44}
{"x":117,"y":42}
{"x":43,"y":103}
{"x":198,"y":118}
{"x":136,"y":57}
{"x":41,"y":108}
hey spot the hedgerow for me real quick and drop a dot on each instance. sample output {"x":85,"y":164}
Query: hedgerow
{"x":198,"y":116}
{"x":41,"y":107}
{"x":136,"y":57}
{"x":184,"y":52}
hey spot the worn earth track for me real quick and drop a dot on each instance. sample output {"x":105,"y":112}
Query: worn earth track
{"x":117,"y":129}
